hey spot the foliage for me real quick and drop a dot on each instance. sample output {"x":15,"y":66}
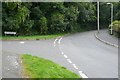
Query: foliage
{"x":87,"y":16}
{"x":71,"y":17}
{"x":32,"y":18}
{"x":33,"y":37}
{"x":36,"y":13}
{"x":43,"y":25}
{"x":116,"y":26}
{"x":26,"y":27}
{"x":57,"y":22}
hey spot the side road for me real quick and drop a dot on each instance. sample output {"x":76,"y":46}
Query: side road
{"x":104,"y":36}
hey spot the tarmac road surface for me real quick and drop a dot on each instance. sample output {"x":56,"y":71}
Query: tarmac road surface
{"x":77,"y":52}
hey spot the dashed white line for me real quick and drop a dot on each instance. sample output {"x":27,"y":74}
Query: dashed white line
{"x":62,"y":52}
{"x":69,"y":60}
{"x":75,"y":66}
{"x":55,"y":42}
{"x":65,"y":56}
{"x":82,"y":74}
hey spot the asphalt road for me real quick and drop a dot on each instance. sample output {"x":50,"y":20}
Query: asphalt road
{"x":11,"y":67}
{"x":78,"y":52}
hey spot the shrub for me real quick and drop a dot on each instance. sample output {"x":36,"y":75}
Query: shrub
{"x":116,"y":26}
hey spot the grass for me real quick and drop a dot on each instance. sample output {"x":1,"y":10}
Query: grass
{"x":37,"y":37}
{"x":35,"y":67}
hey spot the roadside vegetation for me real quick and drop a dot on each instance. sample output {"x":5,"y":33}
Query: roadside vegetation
{"x":116,"y":28}
{"x":34,"y":37}
{"x":35,"y":67}
{"x":41,"y":18}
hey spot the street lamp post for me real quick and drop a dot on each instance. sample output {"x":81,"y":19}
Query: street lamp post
{"x":98,"y":15}
{"x":111,"y":30}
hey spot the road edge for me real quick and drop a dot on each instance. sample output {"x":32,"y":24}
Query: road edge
{"x":106,"y":42}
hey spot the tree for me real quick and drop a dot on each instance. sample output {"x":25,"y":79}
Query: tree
{"x":57,"y":22}
{"x":36,"y":13}
{"x":43,"y":25}
{"x":87,"y":16}
{"x":32,"y":18}
{"x":71,"y":17}
{"x":117,"y":11}
{"x":26,"y":27}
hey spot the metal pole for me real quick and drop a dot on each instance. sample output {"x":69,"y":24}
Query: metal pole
{"x":98,"y":16}
{"x":111,"y":18}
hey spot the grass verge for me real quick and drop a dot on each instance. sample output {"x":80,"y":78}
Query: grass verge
{"x":35,"y":67}
{"x":37,"y":37}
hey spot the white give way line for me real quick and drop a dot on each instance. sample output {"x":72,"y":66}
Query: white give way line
{"x":66,"y":57}
{"x":57,"y":39}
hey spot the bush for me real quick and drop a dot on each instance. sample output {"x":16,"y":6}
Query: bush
{"x":116,"y":26}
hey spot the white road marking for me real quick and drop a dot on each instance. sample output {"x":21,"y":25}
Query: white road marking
{"x":60,"y":40}
{"x":55,"y":42}
{"x":65,"y":56}
{"x":82,"y":74}
{"x":62,"y":52}
{"x":69,"y":60}
{"x":75,"y":66}
{"x":22,"y":42}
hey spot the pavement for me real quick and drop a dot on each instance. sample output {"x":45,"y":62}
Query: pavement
{"x":104,"y":35}
{"x":81,"y":53}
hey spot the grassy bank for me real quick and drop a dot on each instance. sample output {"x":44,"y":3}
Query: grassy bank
{"x":37,"y":37}
{"x":35,"y":67}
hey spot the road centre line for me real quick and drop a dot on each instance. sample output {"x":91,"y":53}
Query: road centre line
{"x":55,"y":42}
{"x":65,"y":56}
{"x":57,"y":39}
{"x":75,"y":66}
{"x":82,"y":74}
{"x":69,"y":60}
